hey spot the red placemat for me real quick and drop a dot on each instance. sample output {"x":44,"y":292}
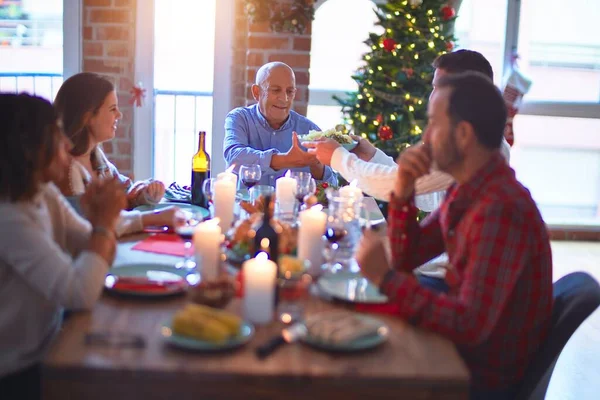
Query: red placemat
{"x":162,"y":243}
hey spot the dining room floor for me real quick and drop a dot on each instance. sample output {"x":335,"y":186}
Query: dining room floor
{"x":577,"y":372}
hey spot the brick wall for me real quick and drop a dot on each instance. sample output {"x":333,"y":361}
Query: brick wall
{"x":109,"y":49}
{"x":256,"y":45}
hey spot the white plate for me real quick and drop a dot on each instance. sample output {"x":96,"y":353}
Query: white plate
{"x":434,"y":270}
{"x":188,"y":209}
{"x":379,"y":336}
{"x":350,"y":287}
{"x":159,"y":272}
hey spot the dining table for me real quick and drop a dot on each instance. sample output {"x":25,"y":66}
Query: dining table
{"x":411,"y":364}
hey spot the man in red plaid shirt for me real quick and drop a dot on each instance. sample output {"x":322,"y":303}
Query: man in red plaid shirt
{"x":499,"y":305}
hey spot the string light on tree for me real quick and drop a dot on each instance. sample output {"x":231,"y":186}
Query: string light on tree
{"x":397,"y":72}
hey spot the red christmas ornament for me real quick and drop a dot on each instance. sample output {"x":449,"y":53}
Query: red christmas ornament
{"x":389,"y":44}
{"x":447,"y":12}
{"x":449,"y":46}
{"x":379,"y":118}
{"x":408,"y":71}
{"x":385,"y":133}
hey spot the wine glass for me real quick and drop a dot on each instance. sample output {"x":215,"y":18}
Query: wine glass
{"x":305,"y":185}
{"x":208,"y":188}
{"x":186,"y":232}
{"x":250,"y":175}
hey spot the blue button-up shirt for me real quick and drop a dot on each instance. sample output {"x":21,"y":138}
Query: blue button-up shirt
{"x":249,"y":139}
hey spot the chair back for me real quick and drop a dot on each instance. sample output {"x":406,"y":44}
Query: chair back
{"x":576,"y":296}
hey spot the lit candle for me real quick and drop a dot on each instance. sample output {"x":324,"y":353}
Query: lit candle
{"x":285,"y":192}
{"x":310,"y":237}
{"x":351,"y":191}
{"x":228,"y":174}
{"x":207,"y":242}
{"x":259,"y":288}
{"x":224,"y":202}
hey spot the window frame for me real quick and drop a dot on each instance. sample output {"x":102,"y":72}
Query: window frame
{"x":323,"y":97}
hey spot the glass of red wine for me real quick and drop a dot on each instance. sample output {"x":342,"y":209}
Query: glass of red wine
{"x":305,"y":185}
{"x":186,"y":232}
{"x":250,"y":175}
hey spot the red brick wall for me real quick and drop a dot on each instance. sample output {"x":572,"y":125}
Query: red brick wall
{"x":109,"y":49}
{"x":256,"y":45}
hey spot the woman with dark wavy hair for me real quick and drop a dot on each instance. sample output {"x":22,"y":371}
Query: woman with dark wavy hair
{"x":88,"y":107}
{"x":50,"y":257}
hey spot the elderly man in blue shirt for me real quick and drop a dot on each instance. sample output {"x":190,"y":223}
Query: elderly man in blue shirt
{"x":265,"y":133}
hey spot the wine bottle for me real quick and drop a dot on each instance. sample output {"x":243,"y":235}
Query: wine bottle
{"x":267,"y":240}
{"x":200,"y":171}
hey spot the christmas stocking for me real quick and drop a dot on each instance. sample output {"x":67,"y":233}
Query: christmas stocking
{"x":516,"y":86}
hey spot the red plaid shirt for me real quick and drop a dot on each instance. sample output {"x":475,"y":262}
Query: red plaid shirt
{"x":500,"y":303}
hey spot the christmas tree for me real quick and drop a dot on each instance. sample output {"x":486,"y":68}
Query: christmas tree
{"x":390,"y":106}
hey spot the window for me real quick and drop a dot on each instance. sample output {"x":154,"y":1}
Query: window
{"x":31,"y":31}
{"x":336,"y":54}
{"x":479,"y":29}
{"x":183,"y":81}
{"x":557,"y":130}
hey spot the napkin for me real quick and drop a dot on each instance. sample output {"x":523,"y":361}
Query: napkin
{"x":178,"y":193}
{"x":143,"y":284}
{"x":162,"y":243}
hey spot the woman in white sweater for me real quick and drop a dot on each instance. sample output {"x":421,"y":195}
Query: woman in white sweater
{"x":50,"y":257}
{"x":88,"y":108}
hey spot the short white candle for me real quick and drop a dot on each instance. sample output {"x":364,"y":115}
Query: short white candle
{"x":207,"y":243}
{"x":224,"y":202}
{"x":310,"y":237}
{"x":259,"y":289}
{"x":285,"y":192}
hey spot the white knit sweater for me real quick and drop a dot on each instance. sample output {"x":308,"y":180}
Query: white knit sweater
{"x":44,"y":268}
{"x":376,"y":177}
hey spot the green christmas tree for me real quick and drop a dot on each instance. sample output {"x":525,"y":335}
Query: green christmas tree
{"x":390,"y":107}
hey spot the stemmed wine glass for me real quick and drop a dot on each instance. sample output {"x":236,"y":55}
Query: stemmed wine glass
{"x":250,"y":175}
{"x":305,"y":185}
{"x":186,"y":232}
{"x":208,"y":187}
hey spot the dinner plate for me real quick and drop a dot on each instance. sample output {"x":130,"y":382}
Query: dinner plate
{"x":362,"y":343}
{"x":351,"y":287}
{"x":246,"y":333}
{"x":434,"y":270}
{"x":347,"y":146}
{"x":188,"y":209}
{"x":147,"y":280}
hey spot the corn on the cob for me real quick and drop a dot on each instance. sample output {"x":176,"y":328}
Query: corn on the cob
{"x":200,"y":326}
{"x":231,"y":321}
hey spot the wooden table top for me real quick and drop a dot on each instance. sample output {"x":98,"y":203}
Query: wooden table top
{"x":412,"y":364}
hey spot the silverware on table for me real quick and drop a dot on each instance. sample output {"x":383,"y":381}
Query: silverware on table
{"x":288,"y":335}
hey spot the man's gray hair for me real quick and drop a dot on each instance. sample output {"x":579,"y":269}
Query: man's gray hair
{"x":263,"y":72}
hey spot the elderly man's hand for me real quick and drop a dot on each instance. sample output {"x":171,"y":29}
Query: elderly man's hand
{"x":322,"y":149}
{"x":372,"y":257}
{"x":294,"y":157}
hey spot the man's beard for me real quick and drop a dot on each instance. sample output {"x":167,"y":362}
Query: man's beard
{"x":450,"y":155}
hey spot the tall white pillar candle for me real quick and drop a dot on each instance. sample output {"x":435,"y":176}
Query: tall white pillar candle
{"x":259,"y":289}
{"x":310,"y":238}
{"x":207,"y":245}
{"x":285,"y":192}
{"x":228,"y":175}
{"x":224,"y":202}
